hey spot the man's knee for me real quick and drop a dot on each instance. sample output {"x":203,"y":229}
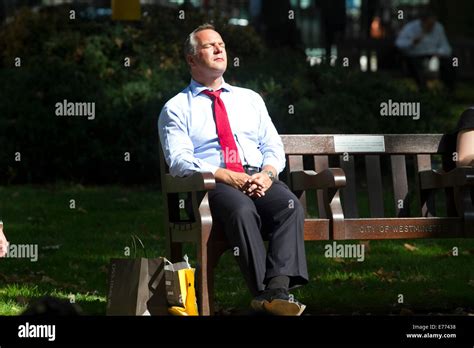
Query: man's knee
{"x":289,"y":201}
{"x":291,"y":207}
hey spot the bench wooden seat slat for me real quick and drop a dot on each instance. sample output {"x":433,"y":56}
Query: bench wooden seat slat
{"x":316,"y":229}
{"x":403,"y":228}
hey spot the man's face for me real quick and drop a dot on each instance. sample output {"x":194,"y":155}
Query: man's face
{"x":210,"y":58}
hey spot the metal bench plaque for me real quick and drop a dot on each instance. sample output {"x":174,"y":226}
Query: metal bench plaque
{"x":359,"y":143}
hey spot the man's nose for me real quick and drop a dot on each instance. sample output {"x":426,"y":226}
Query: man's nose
{"x":217,"y":48}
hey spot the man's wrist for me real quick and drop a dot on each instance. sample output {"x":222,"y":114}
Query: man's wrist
{"x":222,"y":175}
{"x":269,"y":174}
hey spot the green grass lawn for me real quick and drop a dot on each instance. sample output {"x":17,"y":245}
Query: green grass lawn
{"x":76,"y":244}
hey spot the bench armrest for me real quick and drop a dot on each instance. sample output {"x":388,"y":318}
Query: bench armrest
{"x":461,"y":176}
{"x":199,"y":181}
{"x":309,"y":179}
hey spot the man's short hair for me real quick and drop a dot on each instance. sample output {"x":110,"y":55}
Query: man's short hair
{"x":190,"y":43}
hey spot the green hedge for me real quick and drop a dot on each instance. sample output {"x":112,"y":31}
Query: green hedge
{"x":83,"y":61}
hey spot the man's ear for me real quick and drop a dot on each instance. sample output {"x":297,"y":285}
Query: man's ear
{"x":190,"y":60}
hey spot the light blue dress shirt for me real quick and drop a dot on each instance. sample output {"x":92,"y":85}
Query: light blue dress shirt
{"x":189,"y":138}
{"x":431,"y":43}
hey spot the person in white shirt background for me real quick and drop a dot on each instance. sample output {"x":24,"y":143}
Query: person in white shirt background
{"x":422,"y":39}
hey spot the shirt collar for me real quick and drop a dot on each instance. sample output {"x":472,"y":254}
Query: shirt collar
{"x":197,"y":88}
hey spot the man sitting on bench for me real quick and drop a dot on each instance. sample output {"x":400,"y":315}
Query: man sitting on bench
{"x":212,"y":126}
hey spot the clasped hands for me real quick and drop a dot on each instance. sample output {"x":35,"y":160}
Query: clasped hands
{"x":256,"y":185}
{"x":253,"y":186}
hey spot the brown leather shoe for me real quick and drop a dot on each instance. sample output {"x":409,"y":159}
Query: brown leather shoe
{"x":277,"y":302}
{"x":284,"y":307}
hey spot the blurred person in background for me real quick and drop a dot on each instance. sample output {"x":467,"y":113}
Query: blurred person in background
{"x":422,"y":39}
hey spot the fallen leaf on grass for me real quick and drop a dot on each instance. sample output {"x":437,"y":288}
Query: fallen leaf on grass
{"x":385,"y":276}
{"x":119,"y":42}
{"x":410,"y":247}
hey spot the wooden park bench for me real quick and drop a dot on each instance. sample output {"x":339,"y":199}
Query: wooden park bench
{"x":333,"y":168}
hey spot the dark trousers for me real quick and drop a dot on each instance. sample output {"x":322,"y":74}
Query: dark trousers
{"x":416,"y":71}
{"x":279,"y":217}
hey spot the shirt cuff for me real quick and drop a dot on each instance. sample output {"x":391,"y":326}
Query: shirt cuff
{"x":207,"y":167}
{"x":274,"y":163}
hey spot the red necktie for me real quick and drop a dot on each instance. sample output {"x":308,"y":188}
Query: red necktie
{"x":226,"y":138}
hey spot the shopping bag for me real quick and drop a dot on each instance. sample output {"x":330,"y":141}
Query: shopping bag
{"x":180,"y":290}
{"x":175,"y":287}
{"x":136,"y":286}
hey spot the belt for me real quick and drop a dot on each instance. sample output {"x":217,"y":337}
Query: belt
{"x":252,"y":170}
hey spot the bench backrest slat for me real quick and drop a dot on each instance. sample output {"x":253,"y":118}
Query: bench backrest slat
{"x":295,"y":163}
{"x":427,"y":199}
{"x":374,"y":186}
{"x":349,"y":193}
{"x":400,"y":185}
{"x":321,"y":163}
